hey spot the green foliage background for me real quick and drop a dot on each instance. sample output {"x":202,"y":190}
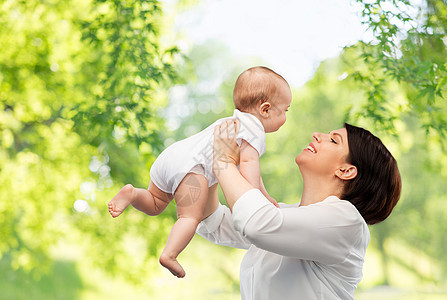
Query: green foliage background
{"x":92,"y":90}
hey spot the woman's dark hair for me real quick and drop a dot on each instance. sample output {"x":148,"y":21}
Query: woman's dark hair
{"x":376,"y":188}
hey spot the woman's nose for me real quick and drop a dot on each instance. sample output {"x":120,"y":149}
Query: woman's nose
{"x":316,"y":136}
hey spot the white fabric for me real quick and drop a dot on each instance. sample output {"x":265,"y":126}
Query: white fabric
{"x":294,"y":252}
{"x":172,"y":165}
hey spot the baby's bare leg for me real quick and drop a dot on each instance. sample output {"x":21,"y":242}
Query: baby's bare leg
{"x":191,"y":196}
{"x":212,"y":203}
{"x":151,"y":201}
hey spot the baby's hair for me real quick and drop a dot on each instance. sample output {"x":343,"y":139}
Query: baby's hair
{"x":255,"y":85}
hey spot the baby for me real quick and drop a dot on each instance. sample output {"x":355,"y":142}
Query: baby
{"x":184,"y":170}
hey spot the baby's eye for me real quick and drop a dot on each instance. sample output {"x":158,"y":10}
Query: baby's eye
{"x":333,"y":141}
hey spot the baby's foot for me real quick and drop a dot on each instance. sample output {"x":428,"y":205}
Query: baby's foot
{"x":121,"y":200}
{"x":172,"y":265}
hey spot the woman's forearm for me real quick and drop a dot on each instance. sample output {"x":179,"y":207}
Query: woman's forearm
{"x":233,"y":184}
{"x":226,"y":156}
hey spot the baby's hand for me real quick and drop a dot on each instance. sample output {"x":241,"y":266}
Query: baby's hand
{"x":269,"y":198}
{"x":274,"y":202}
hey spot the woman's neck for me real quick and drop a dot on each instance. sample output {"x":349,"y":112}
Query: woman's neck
{"x":316,"y":190}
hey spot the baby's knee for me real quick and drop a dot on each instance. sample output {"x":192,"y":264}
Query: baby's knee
{"x":191,"y":221}
{"x":187,"y":213}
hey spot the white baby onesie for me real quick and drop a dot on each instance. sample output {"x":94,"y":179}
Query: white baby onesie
{"x":195,"y":153}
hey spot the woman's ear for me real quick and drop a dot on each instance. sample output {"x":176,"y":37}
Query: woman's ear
{"x":346,"y":172}
{"x":264,"y":109}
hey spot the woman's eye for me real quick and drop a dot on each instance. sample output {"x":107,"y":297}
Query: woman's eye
{"x":333,"y":141}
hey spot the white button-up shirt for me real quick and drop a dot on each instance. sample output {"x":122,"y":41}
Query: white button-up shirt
{"x":294,"y":252}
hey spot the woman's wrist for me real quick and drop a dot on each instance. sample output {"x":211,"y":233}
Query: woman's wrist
{"x":222,"y":165}
{"x":233,"y":184}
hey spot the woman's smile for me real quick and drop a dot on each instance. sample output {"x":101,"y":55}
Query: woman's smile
{"x":311,"y":148}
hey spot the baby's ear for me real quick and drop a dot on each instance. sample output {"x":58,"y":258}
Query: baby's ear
{"x":346,"y":172}
{"x":264,"y":109}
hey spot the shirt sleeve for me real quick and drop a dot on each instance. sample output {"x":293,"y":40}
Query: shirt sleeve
{"x":253,"y":134}
{"x":218,"y":228}
{"x":324,"y":232}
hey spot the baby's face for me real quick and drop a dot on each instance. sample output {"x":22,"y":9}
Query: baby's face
{"x":280,"y":104}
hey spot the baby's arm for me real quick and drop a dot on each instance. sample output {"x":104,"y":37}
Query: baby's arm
{"x":264,"y":192}
{"x":251,"y":170}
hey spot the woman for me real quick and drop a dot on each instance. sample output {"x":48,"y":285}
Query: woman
{"x":314,"y":249}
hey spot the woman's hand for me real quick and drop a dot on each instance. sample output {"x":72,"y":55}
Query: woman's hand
{"x":226,"y":155}
{"x":226,"y":151}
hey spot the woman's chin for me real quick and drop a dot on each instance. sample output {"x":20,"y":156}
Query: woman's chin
{"x":299,"y":158}
{"x":302,"y":160}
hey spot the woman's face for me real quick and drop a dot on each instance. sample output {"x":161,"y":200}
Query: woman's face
{"x":326,"y":154}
